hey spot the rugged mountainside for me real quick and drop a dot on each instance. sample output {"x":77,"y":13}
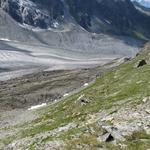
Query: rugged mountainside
{"x":101,"y":108}
{"x":112,"y":113}
{"x":9,"y":29}
{"x":111,"y":16}
{"x":34,"y":12}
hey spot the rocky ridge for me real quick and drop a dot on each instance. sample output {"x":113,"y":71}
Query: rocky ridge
{"x":95,"y":16}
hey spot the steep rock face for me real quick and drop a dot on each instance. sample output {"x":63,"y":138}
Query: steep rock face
{"x":114,"y":15}
{"x":36,"y":13}
{"x":107,"y":16}
{"x":9,"y":29}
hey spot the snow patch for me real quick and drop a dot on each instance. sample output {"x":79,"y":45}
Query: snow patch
{"x":5,"y":39}
{"x":85,"y":84}
{"x":65,"y":95}
{"x":37,"y":106}
{"x":55,"y":24}
{"x":107,"y":21}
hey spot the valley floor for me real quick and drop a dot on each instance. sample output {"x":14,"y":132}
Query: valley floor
{"x":19,"y":58}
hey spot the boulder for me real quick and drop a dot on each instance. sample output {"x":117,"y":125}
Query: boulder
{"x":106,"y":138}
{"x":141,"y":63}
{"x":127,"y":59}
{"x":115,"y":133}
{"x":137,"y":54}
{"x":82,"y":100}
{"x":109,"y":138}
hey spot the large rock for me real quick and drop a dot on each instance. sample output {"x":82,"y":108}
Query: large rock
{"x":106,"y":138}
{"x":141,"y":63}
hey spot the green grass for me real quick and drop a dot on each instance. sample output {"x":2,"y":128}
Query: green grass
{"x":139,"y":140}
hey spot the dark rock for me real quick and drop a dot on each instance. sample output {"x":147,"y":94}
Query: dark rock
{"x":141,"y":63}
{"x":83,"y":100}
{"x":114,"y":132}
{"x":109,"y":138}
{"x":127,"y":59}
{"x":137,"y":54}
{"x":106,"y":138}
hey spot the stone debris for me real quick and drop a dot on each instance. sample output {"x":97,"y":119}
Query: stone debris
{"x":41,"y":136}
{"x":54,"y":145}
{"x":115,"y":133}
{"x":122,"y":146}
{"x":127,"y":59}
{"x":83,"y":100}
{"x":147,"y":111}
{"x":108,"y":118}
{"x":146,"y":99}
{"x":147,"y":129}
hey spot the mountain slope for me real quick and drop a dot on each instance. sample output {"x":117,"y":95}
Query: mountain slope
{"x":115,"y":16}
{"x":35,"y":13}
{"x":112,"y":113}
{"x":9,"y":29}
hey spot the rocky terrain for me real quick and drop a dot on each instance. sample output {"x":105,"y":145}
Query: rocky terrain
{"x":18,"y":58}
{"x":72,"y":75}
{"x":94,"y":16}
{"x":111,"y":113}
{"x":48,"y":86}
{"x":53,"y":38}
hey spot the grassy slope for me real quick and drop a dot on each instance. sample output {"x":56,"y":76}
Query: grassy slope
{"x":107,"y":93}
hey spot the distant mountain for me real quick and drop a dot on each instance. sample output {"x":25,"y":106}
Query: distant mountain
{"x":145,"y":3}
{"x":107,"y":16}
{"x":142,"y":8}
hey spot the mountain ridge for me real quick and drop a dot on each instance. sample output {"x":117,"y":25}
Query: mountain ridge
{"x":145,"y":3}
{"x":93,"y":17}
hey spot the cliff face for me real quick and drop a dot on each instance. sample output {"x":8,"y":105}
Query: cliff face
{"x":34,"y":12}
{"x":108,"y":15}
{"x":111,"y":16}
